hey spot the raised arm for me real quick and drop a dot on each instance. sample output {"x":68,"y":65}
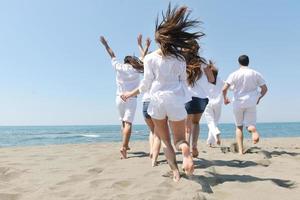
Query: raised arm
{"x":208,"y":72}
{"x":143,"y":51}
{"x":225,"y":89}
{"x":263,"y":91}
{"x":107,"y":47}
{"x":140,"y":45}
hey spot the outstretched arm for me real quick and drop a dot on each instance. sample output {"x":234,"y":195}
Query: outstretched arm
{"x":263,"y":91}
{"x":107,"y":47}
{"x":225,"y":89}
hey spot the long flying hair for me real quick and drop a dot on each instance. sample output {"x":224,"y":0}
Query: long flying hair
{"x":172,"y":32}
{"x":135,"y":62}
{"x":193,"y":62}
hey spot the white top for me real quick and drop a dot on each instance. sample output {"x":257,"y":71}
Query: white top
{"x":127,"y":78}
{"x":200,"y":89}
{"x":165,"y":79}
{"x":146,"y":97}
{"x":215,"y":94}
{"x":245,"y":82}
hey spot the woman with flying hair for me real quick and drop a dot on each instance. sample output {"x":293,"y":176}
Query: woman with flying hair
{"x":127,"y":78}
{"x":199,"y":74}
{"x":165,"y":79}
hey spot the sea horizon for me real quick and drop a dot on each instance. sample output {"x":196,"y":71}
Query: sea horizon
{"x":35,"y":135}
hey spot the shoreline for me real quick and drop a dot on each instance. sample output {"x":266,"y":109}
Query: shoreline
{"x":248,"y":139}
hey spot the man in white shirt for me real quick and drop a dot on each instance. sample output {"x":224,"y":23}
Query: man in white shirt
{"x":245,"y":83}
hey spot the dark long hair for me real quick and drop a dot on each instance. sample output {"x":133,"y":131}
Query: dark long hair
{"x":135,"y":62}
{"x":172,"y":32}
{"x":194,"y":62}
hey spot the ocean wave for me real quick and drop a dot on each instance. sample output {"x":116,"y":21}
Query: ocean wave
{"x":90,"y":135}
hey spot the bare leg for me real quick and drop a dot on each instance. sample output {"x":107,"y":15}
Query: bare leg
{"x":239,"y":138}
{"x":155,"y":149}
{"x":161,"y":128}
{"x":218,"y":139}
{"x":178,"y":128}
{"x":255,"y":135}
{"x":188,"y":128}
{"x":195,"y":133}
{"x":126,"y":137}
{"x":154,"y":142}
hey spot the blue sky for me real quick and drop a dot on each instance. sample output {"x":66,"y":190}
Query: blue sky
{"x":53,"y":70}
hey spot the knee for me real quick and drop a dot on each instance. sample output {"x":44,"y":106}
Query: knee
{"x":251,"y":128}
{"x":239,"y":128}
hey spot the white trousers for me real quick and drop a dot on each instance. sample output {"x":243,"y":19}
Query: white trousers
{"x":212,"y":115}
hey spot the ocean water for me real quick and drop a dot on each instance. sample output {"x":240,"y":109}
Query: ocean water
{"x":44,"y":135}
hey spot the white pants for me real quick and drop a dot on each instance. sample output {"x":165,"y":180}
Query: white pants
{"x":244,"y":116}
{"x":212,"y":115}
{"x":126,"y":109}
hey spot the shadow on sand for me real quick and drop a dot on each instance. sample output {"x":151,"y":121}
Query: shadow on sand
{"x":212,"y":179}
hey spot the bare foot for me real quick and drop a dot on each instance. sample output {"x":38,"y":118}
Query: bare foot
{"x":176,"y":176}
{"x":195,"y":152}
{"x":255,"y":137}
{"x":154,"y":163}
{"x":123,"y":152}
{"x":187,"y":163}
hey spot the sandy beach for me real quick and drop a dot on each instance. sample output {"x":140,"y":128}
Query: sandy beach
{"x":269,"y":170}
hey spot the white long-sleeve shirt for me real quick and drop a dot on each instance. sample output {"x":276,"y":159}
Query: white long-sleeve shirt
{"x":200,"y":89}
{"x":127,"y":78}
{"x":215,"y":94}
{"x":165,"y":78}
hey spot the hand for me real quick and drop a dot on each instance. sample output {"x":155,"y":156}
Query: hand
{"x":139,"y":39}
{"x":125,"y":96}
{"x":226,"y":101}
{"x":148,"y":42}
{"x":103,"y":41}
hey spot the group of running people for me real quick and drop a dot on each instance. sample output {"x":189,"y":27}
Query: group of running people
{"x":178,"y":87}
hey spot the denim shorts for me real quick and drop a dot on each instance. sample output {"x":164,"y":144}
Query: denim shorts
{"x":145,"y":108}
{"x":196,"y":105}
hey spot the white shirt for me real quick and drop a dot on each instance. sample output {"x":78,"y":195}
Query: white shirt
{"x":127,"y":78}
{"x":200,"y":89}
{"x":245,"y":83}
{"x":165,"y":78}
{"x":215,"y":94}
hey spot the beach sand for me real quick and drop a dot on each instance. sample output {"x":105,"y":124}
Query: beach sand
{"x":269,"y":170}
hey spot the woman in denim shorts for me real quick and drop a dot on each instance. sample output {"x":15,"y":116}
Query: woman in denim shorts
{"x":198,"y":76}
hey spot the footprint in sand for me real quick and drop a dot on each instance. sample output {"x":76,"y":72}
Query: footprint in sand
{"x":264,"y":162}
{"x":199,"y":197}
{"x":151,"y":173}
{"x":100,"y":182}
{"x":121,"y":184}
{"x":5,"y":196}
{"x":72,"y":179}
{"x":95,"y":171}
{"x":7,"y":173}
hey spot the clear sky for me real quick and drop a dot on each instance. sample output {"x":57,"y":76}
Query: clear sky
{"x":53,"y":70}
